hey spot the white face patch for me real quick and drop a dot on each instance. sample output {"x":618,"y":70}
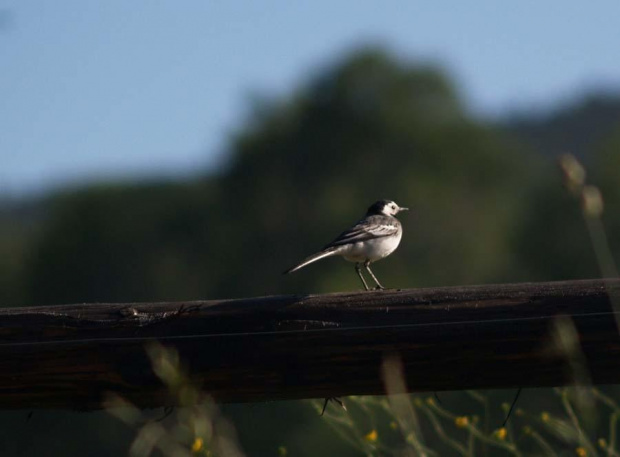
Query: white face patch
{"x":390,"y":209}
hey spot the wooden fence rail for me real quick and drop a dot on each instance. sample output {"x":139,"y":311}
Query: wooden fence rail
{"x":308,"y":346}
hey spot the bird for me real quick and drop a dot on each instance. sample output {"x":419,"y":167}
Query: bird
{"x":372,"y":238}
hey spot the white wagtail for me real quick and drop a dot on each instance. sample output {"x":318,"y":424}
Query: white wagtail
{"x":374,"y":237}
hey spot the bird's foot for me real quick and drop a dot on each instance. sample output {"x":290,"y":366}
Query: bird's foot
{"x":379,"y":287}
{"x":335,"y":400}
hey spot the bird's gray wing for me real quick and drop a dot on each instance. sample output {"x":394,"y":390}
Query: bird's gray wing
{"x":367,"y":229}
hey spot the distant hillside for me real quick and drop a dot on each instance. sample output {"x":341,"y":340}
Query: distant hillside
{"x":576,"y":128}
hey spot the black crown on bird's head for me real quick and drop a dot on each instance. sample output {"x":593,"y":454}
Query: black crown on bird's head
{"x":385,"y":208}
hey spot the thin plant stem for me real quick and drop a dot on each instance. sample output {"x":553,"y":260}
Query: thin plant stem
{"x":543,"y":443}
{"x":583,"y":439}
{"x":442,"y":434}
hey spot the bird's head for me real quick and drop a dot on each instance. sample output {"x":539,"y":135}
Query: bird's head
{"x":386,"y":208}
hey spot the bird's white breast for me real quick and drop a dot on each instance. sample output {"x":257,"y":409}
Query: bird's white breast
{"x":372,"y":250}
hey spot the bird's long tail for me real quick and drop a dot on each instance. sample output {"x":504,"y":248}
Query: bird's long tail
{"x":313,"y":258}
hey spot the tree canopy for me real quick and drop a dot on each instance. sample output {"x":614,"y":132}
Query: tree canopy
{"x":303,"y":169}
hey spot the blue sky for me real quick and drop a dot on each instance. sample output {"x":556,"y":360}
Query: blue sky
{"x":116,"y":88}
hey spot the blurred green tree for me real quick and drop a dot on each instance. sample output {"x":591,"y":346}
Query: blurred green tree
{"x":368,"y":128}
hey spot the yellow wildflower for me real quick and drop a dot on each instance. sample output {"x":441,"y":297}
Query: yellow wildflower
{"x":545,"y":416}
{"x":461,"y":421}
{"x":198,"y":445}
{"x":393,"y":425}
{"x":602,"y":443}
{"x":581,"y":452}
{"x":501,"y":433}
{"x":372,"y":436}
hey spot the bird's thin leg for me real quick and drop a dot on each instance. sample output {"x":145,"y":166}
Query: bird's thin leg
{"x":325,"y":405}
{"x":367,"y":265}
{"x":359,"y":272}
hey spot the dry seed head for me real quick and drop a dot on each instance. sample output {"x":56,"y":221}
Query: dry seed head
{"x":592,"y":201}
{"x":573,"y":172}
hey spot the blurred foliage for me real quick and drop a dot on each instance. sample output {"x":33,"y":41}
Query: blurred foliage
{"x":573,"y":128}
{"x":487,"y":206}
{"x":370,"y":128}
{"x":371,"y":427}
{"x":197,"y":428}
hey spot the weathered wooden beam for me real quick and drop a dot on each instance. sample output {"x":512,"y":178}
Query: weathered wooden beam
{"x":306,"y":346}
